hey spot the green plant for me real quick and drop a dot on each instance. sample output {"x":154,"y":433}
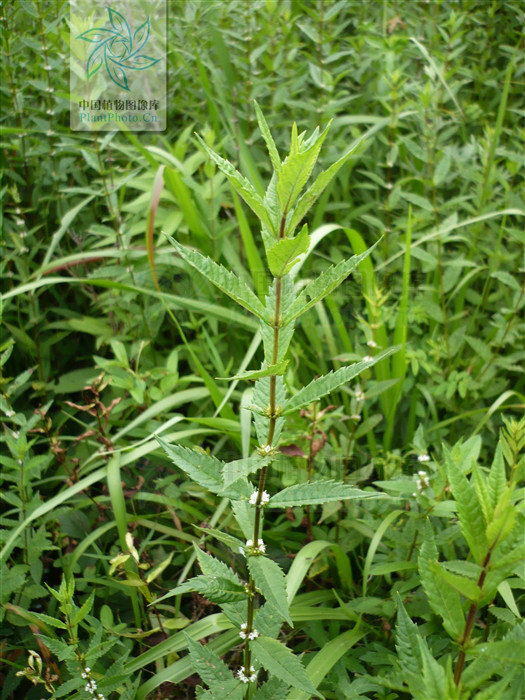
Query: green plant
{"x":280,"y":212}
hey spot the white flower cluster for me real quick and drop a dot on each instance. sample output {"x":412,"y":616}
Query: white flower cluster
{"x":359,"y":393}
{"x":371,"y":344}
{"x":244,"y":678}
{"x":423,"y":458}
{"x":91,"y":685}
{"x":368,"y":358}
{"x":265,"y":497}
{"x":422,"y":481}
{"x":259,"y":548}
{"x":247,"y":635}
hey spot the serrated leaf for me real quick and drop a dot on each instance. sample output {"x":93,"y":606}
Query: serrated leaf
{"x":268,"y":621}
{"x":278,"y":370}
{"x":50,"y":620}
{"x":480,"y":486}
{"x":60,"y":649}
{"x":217,"y":589}
{"x":280,"y":661}
{"x":232,"y":542}
{"x":296,"y":169}
{"x":318,"y":492}
{"x":211,"y":566}
{"x":242,"y":186}
{"x":283,"y":255}
{"x":274,"y":689}
{"x":268,"y":138}
{"x":469,"y":508}
{"x":208,"y":664}
{"x":242,"y":468}
{"x":408,"y":649}
{"x":445,"y":602}
{"x":222,"y":278}
{"x":329,"y":382}
{"x":462,"y":585}
{"x":68,"y":687}
{"x":324,"y":284}
{"x":497,"y":480}
{"x":84,"y":610}
{"x":228,"y":690}
{"x":434,"y":677}
{"x":269,"y":579}
{"x":202,"y":468}
{"x":319,"y":185}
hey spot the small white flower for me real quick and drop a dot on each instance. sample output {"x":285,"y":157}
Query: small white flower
{"x":88,"y":669}
{"x":249,"y":543}
{"x":356,"y":417}
{"x":253,"y":634}
{"x":371,"y":344}
{"x":240,"y":675}
{"x":368,"y":358}
{"x":265,"y":497}
{"x":423,"y":458}
{"x":9,"y":413}
{"x":244,"y":625}
{"x":359,"y":393}
{"x":84,"y":675}
{"x":253,"y":498}
{"x":267,"y":448}
{"x":261,"y":546}
{"x":242,"y":635}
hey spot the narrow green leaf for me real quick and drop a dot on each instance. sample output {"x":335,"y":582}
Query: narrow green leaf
{"x":320,"y":184}
{"x":216,"y":588}
{"x":434,"y":676}
{"x":201,"y":467}
{"x":445,"y":602}
{"x":278,"y":370}
{"x":465,"y":586}
{"x":469,"y":508}
{"x":232,"y":542}
{"x":318,"y":492}
{"x":226,"y":281}
{"x":268,"y":138}
{"x":211,"y":566}
{"x":269,"y":579}
{"x":242,"y":467}
{"x":409,"y":650}
{"x":326,"y":282}
{"x":242,"y":186}
{"x":84,"y":610}
{"x":283,"y":255}
{"x":333,"y":380}
{"x":280,"y":661}
{"x":296,"y":169}
{"x":208,"y":664}
{"x":497,"y":480}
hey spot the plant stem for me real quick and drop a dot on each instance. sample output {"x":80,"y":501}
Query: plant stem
{"x":250,"y":611}
{"x":469,"y":625}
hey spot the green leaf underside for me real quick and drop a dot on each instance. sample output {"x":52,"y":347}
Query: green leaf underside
{"x":324,"y":284}
{"x":202,"y":468}
{"x":283,"y":255}
{"x":280,"y":661}
{"x":222,"y":278}
{"x":269,"y":579}
{"x":324,"y":385}
{"x":318,"y":492}
{"x":242,"y":186}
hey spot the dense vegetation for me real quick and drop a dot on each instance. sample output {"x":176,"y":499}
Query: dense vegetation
{"x":393,"y":535}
